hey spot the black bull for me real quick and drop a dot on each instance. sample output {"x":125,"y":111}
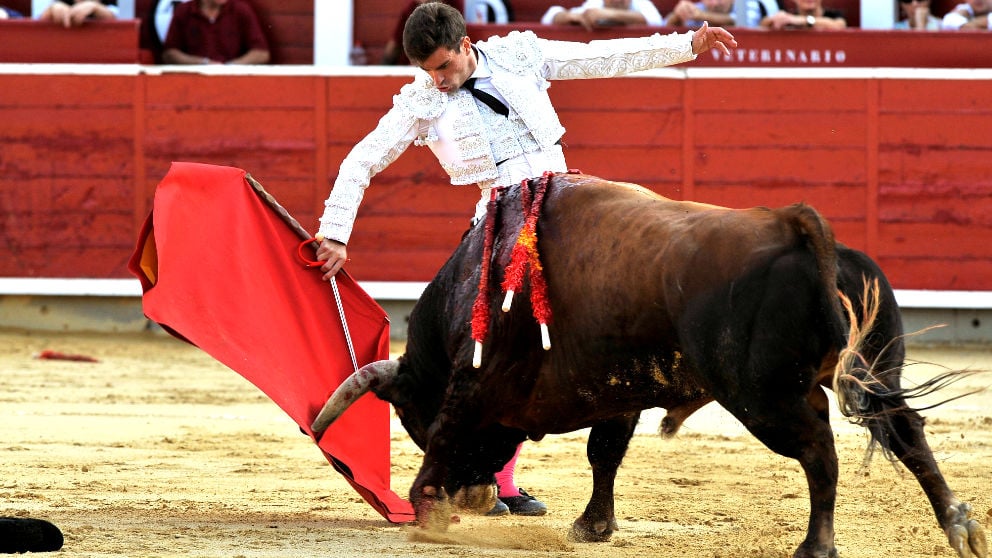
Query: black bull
{"x":656,"y":303}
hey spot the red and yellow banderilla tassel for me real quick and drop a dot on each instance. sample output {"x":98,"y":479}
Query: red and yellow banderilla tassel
{"x":523,"y":259}
{"x":525,"y":256}
{"x":480,"y":309}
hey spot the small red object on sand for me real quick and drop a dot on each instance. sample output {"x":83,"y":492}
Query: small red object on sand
{"x":49,"y":354}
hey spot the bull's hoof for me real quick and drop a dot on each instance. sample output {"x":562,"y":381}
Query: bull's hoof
{"x":595,"y":531}
{"x":818,"y":553}
{"x":669,"y":427}
{"x":479,"y":498}
{"x":965,"y":535}
{"x":433,"y":510}
{"x":24,"y":534}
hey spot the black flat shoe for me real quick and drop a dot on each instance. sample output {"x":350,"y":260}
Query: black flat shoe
{"x":525,"y":504}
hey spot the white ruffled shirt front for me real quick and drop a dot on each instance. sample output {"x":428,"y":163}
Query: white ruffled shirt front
{"x":454,"y":126}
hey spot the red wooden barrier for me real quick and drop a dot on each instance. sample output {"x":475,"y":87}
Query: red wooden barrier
{"x":897,"y":160}
{"x":102,"y":42}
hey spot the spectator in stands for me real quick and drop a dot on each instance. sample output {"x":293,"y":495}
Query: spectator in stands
{"x":692,"y":14}
{"x":916,"y":16}
{"x":484,"y":110}
{"x":973,"y":14}
{"x":485,"y":11}
{"x":70,"y":13}
{"x":215,"y":32}
{"x":9,"y":13}
{"x":719,"y":12}
{"x":160,"y":13}
{"x":605,"y":13}
{"x":810,"y":14}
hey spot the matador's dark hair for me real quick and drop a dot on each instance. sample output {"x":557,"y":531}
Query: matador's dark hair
{"x":431,"y":26}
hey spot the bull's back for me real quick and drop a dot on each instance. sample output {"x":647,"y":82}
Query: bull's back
{"x":639,"y":252}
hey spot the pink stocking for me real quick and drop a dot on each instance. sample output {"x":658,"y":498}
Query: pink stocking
{"x":504,"y":478}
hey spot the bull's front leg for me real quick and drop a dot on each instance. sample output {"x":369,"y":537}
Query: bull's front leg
{"x":607,"y":445}
{"x":427,"y":495}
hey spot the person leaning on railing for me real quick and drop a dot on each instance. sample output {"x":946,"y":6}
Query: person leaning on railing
{"x":9,"y":13}
{"x":70,"y":13}
{"x":688,"y":13}
{"x":809,"y":14}
{"x":215,"y":32}
{"x":916,"y":16}
{"x":593,"y":14}
{"x":970,"y":15}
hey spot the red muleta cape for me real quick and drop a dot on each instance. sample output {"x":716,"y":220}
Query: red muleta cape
{"x":219,"y":267}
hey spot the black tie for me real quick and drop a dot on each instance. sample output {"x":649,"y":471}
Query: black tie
{"x":491,"y":102}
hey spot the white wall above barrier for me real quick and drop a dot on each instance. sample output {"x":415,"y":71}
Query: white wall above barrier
{"x":877,"y":14}
{"x":333,"y":36}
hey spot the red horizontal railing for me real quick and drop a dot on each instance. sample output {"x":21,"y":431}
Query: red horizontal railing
{"x":99,"y":42}
{"x":897,"y":160}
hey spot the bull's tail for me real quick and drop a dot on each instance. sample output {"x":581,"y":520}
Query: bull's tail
{"x":854,"y":382}
{"x":853,"y":376}
{"x":870,"y":395}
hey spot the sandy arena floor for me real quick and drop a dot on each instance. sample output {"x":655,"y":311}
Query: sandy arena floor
{"x":158,"y":450}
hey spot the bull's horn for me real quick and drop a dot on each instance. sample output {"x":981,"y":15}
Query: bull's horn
{"x":357,"y":385}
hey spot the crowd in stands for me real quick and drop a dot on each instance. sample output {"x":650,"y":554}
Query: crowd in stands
{"x":770,"y":14}
{"x":186,"y":31}
{"x":816,"y":15}
{"x":229,"y":31}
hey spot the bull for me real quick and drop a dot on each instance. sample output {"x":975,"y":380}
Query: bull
{"x":656,"y":303}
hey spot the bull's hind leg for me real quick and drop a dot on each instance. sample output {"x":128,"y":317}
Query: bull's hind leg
{"x":607,"y":445}
{"x":900,"y":431}
{"x":793,"y":427}
{"x":892,"y":423}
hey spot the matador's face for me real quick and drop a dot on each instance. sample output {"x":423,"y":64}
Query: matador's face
{"x":450,"y":68}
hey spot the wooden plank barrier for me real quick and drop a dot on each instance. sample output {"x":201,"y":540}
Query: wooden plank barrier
{"x":95,"y":42}
{"x":896,"y":159}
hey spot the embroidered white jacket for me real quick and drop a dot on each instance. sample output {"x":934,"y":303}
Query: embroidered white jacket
{"x":451,"y":124}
